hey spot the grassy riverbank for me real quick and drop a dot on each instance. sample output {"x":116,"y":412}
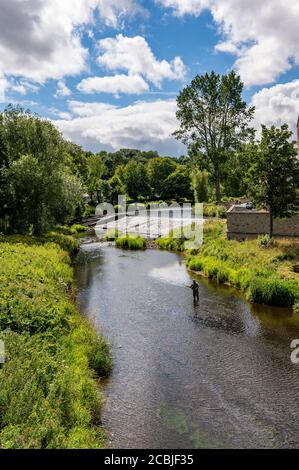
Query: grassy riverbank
{"x":49,"y":395}
{"x":264,"y":272}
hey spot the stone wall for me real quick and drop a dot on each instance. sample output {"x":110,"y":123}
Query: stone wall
{"x":246,"y":224}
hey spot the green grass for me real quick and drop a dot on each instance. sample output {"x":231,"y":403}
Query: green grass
{"x":131,"y":242}
{"x":212,"y":210}
{"x":49,"y":396}
{"x":263,"y":270}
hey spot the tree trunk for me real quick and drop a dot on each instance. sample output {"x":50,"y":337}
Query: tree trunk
{"x":218,"y":190}
{"x":271,"y":223}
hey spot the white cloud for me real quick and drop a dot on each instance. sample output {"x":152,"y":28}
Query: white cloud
{"x":277,"y":105}
{"x":130,"y":84}
{"x":3,"y":87}
{"x":136,"y":57}
{"x":143,"y":125}
{"x":62,"y":90}
{"x":115,"y":11}
{"x":41,"y":39}
{"x":184,"y":7}
{"x":264,"y":35}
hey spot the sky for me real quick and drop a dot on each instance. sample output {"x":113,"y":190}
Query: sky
{"x":107,"y":72}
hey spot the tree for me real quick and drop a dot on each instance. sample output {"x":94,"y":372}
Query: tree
{"x":200,"y":185}
{"x":177,"y":185}
{"x":271,"y":178}
{"x":158,"y":170}
{"x":214,"y":120}
{"x":235,"y":170}
{"x":136,"y":180}
{"x":95,"y":172}
{"x":41,"y":195}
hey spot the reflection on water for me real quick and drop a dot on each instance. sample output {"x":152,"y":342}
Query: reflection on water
{"x":215,"y":375}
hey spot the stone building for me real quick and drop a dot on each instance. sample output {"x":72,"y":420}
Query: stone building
{"x":244,"y":224}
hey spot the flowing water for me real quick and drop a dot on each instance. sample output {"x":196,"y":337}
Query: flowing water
{"x":215,"y":375}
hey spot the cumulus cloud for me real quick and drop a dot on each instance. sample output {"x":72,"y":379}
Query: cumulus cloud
{"x":184,"y":7}
{"x":143,"y":125}
{"x":130,"y":84}
{"x":263,"y":35}
{"x":277,"y":105}
{"x":41,"y":39}
{"x":135,"y":56}
{"x":62,"y":89}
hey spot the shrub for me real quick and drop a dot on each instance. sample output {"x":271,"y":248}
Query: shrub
{"x":101,"y":360}
{"x":212,"y":210}
{"x":130,"y":242}
{"x":265,"y":241}
{"x":272,"y":292}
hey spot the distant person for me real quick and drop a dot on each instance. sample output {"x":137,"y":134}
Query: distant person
{"x":195,"y":289}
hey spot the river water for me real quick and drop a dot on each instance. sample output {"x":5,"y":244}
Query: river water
{"x":215,"y":375}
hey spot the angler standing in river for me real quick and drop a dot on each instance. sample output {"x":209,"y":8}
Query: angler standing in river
{"x":195,"y":288}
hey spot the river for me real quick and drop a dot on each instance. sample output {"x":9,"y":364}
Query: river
{"x":216,"y":375}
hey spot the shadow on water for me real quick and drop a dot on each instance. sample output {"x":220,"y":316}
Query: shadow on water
{"x":215,"y":375}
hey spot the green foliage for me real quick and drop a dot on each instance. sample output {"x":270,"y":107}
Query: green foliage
{"x":273,"y":291}
{"x":48,"y":395}
{"x":200,"y":185}
{"x":95,"y":171}
{"x":212,"y":210}
{"x":159,"y":169}
{"x":247,"y":266}
{"x":101,"y":360}
{"x":171,"y":244}
{"x":265,"y":241}
{"x":136,"y":180}
{"x":177,"y":185}
{"x":214,"y":121}
{"x":131,"y":242}
{"x":271,"y":177}
{"x":37,"y":186}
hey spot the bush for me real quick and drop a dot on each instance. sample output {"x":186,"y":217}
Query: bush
{"x":101,"y":360}
{"x":265,"y":241}
{"x":130,"y":242}
{"x":212,"y":210}
{"x":273,"y":291}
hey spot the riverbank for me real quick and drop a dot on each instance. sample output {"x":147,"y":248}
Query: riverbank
{"x":264,"y":272}
{"x":49,"y":390}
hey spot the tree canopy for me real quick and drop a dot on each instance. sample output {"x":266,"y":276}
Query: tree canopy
{"x":214,"y":121}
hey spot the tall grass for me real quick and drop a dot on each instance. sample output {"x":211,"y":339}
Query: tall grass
{"x":131,"y":242}
{"x":261,"y":268}
{"x":49,"y":397}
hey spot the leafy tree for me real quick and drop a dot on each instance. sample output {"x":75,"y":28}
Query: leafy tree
{"x":136,"y":180}
{"x":235,"y":171}
{"x":95,"y":172}
{"x":271,"y":178}
{"x":214,"y":120}
{"x":200,"y":185}
{"x":41,"y":195}
{"x":158,"y":170}
{"x":178,"y":185}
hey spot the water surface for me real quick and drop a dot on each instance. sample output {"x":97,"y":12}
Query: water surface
{"x":215,"y":375}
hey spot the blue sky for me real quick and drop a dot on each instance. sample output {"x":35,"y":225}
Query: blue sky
{"x":107,"y":71}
